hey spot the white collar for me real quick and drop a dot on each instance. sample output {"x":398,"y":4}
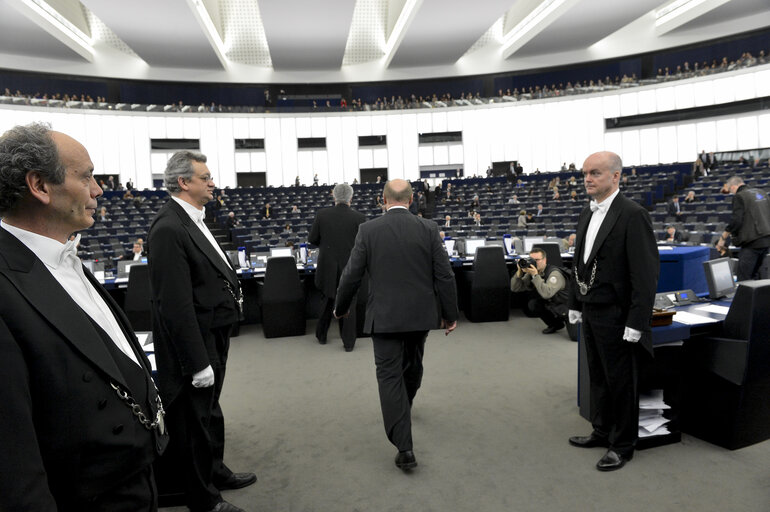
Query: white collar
{"x":50,"y":251}
{"x":400,"y":207}
{"x":195,"y":214}
{"x":608,"y":201}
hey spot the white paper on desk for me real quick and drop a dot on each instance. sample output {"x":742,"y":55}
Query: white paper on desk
{"x":649,"y":413}
{"x":662,"y":431}
{"x":714,"y":308}
{"x":684,"y":317}
{"x":652,"y":424}
{"x":652,"y":400}
{"x":665,"y":248}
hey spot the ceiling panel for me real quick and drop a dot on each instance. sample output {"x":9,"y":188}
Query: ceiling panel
{"x":443,"y":30}
{"x":584,"y":24}
{"x":730,"y":11}
{"x":163,"y":33}
{"x":307,"y":34}
{"x":19,"y":34}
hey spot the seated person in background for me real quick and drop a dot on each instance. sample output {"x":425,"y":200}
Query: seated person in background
{"x":568,"y":244}
{"x":477,"y":219}
{"x":539,"y":210}
{"x":447,"y":221}
{"x":673,"y":235}
{"x":265,"y":212}
{"x":513,"y":200}
{"x":102,"y":217}
{"x":522,"y":220}
{"x":690,"y":197}
{"x":294,"y":209}
{"x":673,"y":206}
{"x":137,"y":251}
{"x":547,"y":287}
{"x":232,"y":221}
{"x":127,"y":194}
{"x":287,"y":228}
{"x":573,"y":196}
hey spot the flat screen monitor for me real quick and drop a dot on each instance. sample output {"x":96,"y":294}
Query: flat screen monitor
{"x":719,"y":277}
{"x":471,"y":244}
{"x":280,"y":251}
{"x":529,"y":241}
{"x":124,"y":267}
{"x":449,"y":245}
{"x":509,"y":246}
{"x":94,"y":266}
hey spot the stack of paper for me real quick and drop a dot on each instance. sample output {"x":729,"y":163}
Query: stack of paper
{"x":651,"y":420}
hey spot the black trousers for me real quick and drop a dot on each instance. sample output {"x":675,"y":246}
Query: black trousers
{"x":347,"y":325}
{"x":197,"y":434}
{"x":749,"y":262}
{"x":398,"y":359}
{"x":536,"y":306}
{"x":612,"y":369}
{"x":135,"y":494}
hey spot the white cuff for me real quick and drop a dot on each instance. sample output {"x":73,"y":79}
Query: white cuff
{"x":632,"y":335}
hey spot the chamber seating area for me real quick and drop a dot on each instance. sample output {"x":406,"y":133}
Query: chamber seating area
{"x":651,"y":186}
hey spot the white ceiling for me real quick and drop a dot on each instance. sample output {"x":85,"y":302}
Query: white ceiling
{"x":295,"y":41}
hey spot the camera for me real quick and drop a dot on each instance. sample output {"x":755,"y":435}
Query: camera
{"x":525,"y":263}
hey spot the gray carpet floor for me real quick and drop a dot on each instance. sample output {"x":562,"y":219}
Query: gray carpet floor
{"x":490,"y":427}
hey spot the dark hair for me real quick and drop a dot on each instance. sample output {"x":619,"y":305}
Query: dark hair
{"x":24,"y":149}
{"x":538,"y":250}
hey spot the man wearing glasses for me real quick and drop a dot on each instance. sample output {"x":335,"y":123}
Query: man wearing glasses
{"x":196,"y":301}
{"x":547,"y":288}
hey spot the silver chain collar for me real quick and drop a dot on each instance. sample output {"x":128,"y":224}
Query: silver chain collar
{"x":136,"y":409}
{"x":583,"y":287}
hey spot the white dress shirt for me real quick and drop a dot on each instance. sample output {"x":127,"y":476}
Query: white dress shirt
{"x":595,"y":223}
{"x":197,"y":217}
{"x":65,"y":266}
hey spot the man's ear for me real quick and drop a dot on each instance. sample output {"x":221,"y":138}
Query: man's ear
{"x":182,"y":183}
{"x":38,"y":187}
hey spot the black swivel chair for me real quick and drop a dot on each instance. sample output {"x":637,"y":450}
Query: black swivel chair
{"x":489,"y":299}
{"x":282,"y":299}
{"x":137,"y":305}
{"x":728,"y":384}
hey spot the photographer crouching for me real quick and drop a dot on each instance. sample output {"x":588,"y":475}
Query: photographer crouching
{"x":547,"y":287}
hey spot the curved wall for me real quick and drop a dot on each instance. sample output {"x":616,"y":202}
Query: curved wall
{"x":541,"y":134}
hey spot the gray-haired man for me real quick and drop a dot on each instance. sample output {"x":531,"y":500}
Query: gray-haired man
{"x":334,"y":232}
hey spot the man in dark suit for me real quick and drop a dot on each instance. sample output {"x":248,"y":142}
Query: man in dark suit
{"x":411,"y":290}
{"x":71,"y":367}
{"x":616,"y":274}
{"x":196,"y":301}
{"x":674,"y":208}
{"x":334,"y":232}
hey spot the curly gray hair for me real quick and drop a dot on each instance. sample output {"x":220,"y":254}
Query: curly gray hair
{"x":180,"y":166}
{"x":24,"y":149}
{"x":342,"y":193}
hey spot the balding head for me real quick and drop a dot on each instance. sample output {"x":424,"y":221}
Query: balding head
{"x":601,"y":174}
{"x":397,"y":193}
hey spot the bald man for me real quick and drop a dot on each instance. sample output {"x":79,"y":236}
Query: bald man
{"x":411,"y":290}
{"x":616,"y":273}
{"x":82,"y":421}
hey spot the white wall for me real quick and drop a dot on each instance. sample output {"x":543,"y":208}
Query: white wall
{"x":540,"y":134}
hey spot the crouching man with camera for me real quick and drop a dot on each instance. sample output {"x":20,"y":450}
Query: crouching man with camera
{"x":547,"y":287}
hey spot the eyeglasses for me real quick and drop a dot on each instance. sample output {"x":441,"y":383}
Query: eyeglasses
{"x":205,"y":177}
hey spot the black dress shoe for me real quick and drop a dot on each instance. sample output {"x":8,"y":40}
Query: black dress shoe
{"x":348,"y":349}
{"x":236,"y":481}
{"x":224,"y":506}
{"x":590,"y":441}
{"x":552,"y":329}
{"x":406,"y":461}
{"x":321,"y":341}
{"x":613,"y":460}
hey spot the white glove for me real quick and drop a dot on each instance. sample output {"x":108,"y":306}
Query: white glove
{"x":204,"y":378}
{"x":575,"y":317}
{"x":632,"y":335}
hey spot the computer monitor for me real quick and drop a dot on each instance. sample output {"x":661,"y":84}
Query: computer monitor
{"x":94,"y":266}
{"x":449,"y":245}
{"x":529,"y":241}
{"x":510,"y":248}
{"x":124,"y":267}
{"x":719,"y":277}
{"x":280,"y":251}
{"x":471,"y":244}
